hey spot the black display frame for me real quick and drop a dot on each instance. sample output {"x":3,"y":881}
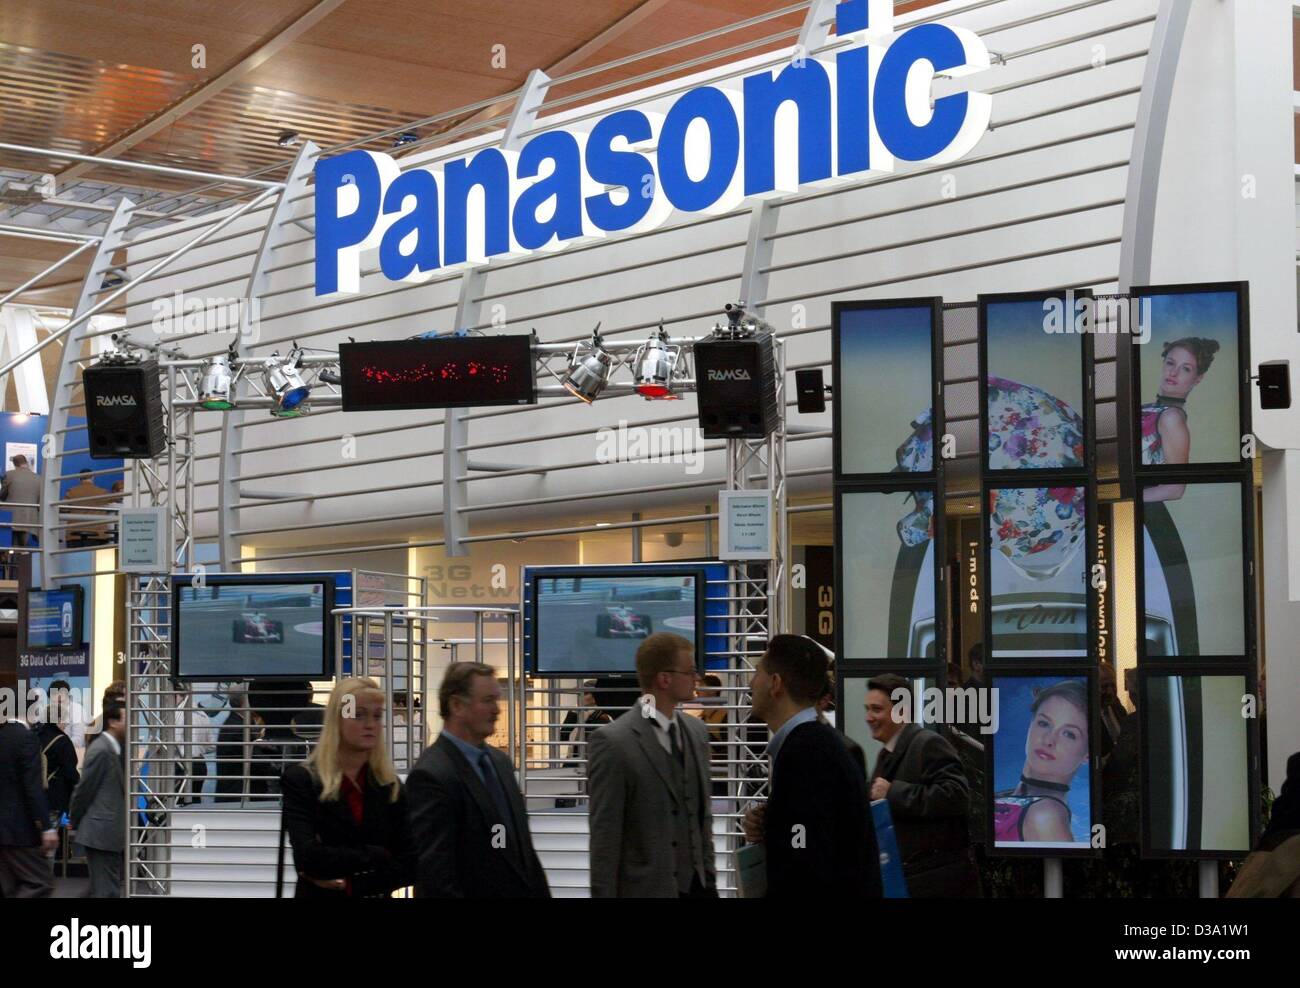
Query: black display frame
{"x":1244,"y":428}
{"x":1088,"y":550}
{"x":1253,"y":767}
{"x":326,"y":670}
{"x":1088,"y":672}
{"x":1086,"y":361}
{"x":903,"y":665}
{"x":1249,"y":630}
{"x":529,"y":624}
{"x":938,"y":421}
{"x":78,"y":618}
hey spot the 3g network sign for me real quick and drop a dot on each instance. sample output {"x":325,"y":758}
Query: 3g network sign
{"x":815,"y":121}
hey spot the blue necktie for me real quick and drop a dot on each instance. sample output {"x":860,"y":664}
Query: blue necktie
{"x":494,"y":787}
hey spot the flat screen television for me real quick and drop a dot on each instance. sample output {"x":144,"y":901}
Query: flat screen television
{"x":268,"y":626}
{"x":582,"y":621}
{"x":54,"y":618}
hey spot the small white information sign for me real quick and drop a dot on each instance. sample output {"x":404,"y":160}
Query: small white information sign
{"x":745,"y":524}
{"x":142,"y":543}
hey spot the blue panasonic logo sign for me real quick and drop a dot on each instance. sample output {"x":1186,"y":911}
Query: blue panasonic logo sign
{"x":815,"y":120}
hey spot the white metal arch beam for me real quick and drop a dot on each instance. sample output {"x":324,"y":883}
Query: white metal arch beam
{"x":113,"y":240}
{"x":228,"y":495}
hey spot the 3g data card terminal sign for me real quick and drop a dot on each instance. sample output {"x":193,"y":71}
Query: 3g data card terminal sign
{"x":745,"y":524}
{"x":454,"y":372}
{"x":704,"y":151}
{"x":142,"y":542}
{"x":60,"y":662}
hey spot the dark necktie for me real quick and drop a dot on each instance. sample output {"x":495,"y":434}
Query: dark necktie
{"x":494,"y":788}
{"x":882,"y":763}
{"x":678,"y":754}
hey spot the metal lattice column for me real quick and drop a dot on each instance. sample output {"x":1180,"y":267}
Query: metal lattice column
{"x":152,"y":736}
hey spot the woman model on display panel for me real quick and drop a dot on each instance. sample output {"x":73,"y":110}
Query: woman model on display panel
{"x":344,"y":807}
{"x":1055,"y":746}
{"x":1165,"y":435}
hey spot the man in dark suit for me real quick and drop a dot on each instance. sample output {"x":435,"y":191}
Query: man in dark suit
{"x":817,"y":820}
{"x":61,"y":774}
{"x":27,"y":834}
{"x":468,"y":819}
{"x":920,"y":775}
{"x":648,"y":773}
{"x":98,"y":811}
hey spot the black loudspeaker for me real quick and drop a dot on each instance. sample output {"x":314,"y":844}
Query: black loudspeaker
{"x":1275,"y":385}
{"x":810,"y":389}
{"x":735,"y":382}
{"x":124,"y":411}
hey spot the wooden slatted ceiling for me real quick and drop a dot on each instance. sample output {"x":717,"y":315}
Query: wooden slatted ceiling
{"x":79,"y":74}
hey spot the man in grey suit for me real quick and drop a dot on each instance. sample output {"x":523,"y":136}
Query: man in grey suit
{"x":21,"y":486}
{"x":648,"y":775}
{"x":98,"y":810}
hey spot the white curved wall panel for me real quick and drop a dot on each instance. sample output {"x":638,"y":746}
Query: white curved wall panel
{"x":1037,"y":203}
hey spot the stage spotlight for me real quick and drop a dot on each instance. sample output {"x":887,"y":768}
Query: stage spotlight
{"x":284,"y":384}
{"x":215,"y":388}
{"x":588,"y":371}
{"x":288,"y":139}
{"x":653,"y":365}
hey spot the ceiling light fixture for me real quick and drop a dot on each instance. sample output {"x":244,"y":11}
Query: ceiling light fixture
{"x":285,"y":385}
{"x":589,"y":368}
{"x":653,"y":366}
{"x":216,"y":385}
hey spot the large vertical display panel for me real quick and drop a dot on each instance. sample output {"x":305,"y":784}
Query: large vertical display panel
{"x":888,"y":415}
{"x":1190,"y":377}
{"x":1035,"y":392}
{"x":1041,"y":765}
{"x":1038,"y":600}
{"x":1201,"y":794}
{"x":887,"y":405}
{"x":1196,"y":590}
{"x":1039,"y":532}
{"x":888,"y":586}
{"x":1194,"y":494}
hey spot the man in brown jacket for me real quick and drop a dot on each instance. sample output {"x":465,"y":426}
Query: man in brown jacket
{"x":22,"y":488}
{"x":85,"y":499}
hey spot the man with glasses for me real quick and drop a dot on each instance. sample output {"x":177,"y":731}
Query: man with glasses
{"x":648,"y":774}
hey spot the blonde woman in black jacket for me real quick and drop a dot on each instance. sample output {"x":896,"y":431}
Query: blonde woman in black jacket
{"x":344,"y":807}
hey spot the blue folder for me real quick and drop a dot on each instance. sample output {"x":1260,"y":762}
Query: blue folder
{"x":891,"y":862}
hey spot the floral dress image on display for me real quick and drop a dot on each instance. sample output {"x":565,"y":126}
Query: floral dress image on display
{"x":1037,"y":529}
{"x":1153,"y":452}
{"x":916,"y":456}
{"x":1031,"y":429}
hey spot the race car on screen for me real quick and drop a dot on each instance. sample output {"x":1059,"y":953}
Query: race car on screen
{"x":622,"y":622}
{"x":256,"y":627}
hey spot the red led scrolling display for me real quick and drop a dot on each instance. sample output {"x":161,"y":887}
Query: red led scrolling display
{"x":451,"y":370}
{"x":439,"y":373}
